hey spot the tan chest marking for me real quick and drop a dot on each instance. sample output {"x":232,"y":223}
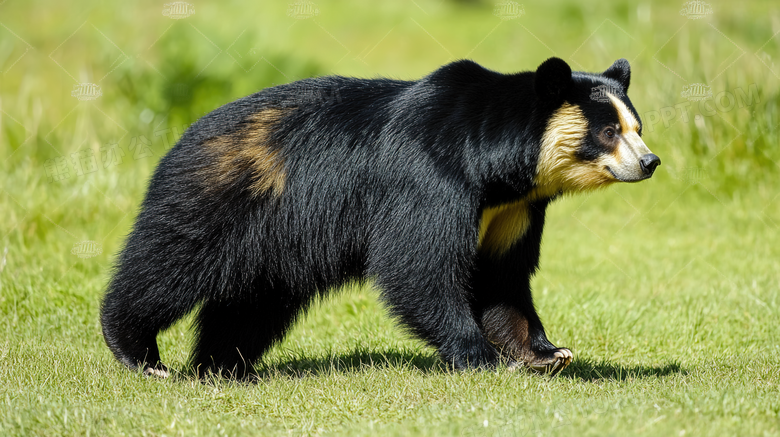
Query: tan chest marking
{"x":501,"y":226}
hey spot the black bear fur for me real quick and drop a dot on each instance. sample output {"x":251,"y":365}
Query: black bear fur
{"x":381,"y":179}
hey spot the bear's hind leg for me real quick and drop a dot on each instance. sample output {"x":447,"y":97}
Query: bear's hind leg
{"x":131,"y":318}
{"x":232,"y":335}
{"x":435,"y":306}
{"x":443,"y":319}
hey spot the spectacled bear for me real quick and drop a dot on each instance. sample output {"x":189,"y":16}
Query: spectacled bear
{"x":436,"y":189}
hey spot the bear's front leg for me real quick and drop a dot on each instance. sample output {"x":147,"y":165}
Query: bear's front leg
{"x":502,"y":299}
{"x":521,"y":342}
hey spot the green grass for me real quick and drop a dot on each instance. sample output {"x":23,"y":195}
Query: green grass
{"x":667,"y":291}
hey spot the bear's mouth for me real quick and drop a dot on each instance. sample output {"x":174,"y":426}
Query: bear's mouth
{"x":614,"y":175}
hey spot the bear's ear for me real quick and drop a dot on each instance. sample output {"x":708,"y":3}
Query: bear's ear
{"x":621,"y":72}
{"x":552,"y":79}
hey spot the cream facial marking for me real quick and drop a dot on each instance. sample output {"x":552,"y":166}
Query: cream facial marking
{"x":628,"y":123}
{"x":623,"y":163}
{"x":559,"y":170}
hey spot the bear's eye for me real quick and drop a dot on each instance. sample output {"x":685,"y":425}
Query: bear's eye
{"x":609,"y":132}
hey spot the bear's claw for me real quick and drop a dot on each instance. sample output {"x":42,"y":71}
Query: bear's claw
{"x":551,"y":363}
{"x":160,"y":371}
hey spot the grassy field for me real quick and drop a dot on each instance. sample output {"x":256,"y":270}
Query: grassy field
{"x":666,"y":291}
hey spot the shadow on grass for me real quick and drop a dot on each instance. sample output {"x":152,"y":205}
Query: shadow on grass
{"x":359,"y":360}
{"x":426,"y":363}
{"x":291,"y":366}
{"x":590,"y":370}
{"x":355,"y":361}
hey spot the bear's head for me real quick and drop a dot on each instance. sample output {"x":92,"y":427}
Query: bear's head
{"x":593,"y":133}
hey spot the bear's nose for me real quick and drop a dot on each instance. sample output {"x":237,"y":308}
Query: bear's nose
{"x":649,"y":162}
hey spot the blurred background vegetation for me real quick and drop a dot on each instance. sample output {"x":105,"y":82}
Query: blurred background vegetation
{"x":156,"y":72}
{"x":92,"y":94}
